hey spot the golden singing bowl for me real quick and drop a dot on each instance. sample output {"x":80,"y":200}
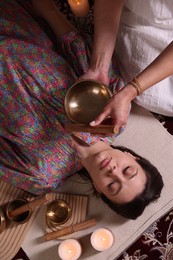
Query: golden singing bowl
{"x":2,"y":221}
{"x":85,"y":100}
{"x":23,"y":217}
{"x":58,"y":212}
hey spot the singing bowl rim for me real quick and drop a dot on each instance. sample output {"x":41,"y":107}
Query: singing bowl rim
{"x":58,"y":203}
{"x":71,"y":92}
{"x":12,"y":219}
{"x":2,"y":221}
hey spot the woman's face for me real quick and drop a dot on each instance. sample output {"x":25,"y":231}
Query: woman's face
{"x":116,"y":174}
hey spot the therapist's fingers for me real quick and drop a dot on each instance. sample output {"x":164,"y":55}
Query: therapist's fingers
{"x":98,"y":120}
{"x":118,"y":119}
{"x":114,"y":116}
{"x":117,"y":109}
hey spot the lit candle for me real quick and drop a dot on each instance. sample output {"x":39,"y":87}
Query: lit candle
{"x":69,"y":249}
{"x":102,"y":239}
{"x":79,"y":7}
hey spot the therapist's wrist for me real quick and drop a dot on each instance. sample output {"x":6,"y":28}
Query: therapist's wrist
{"x":135,"y":83}
{"x":129,"y":92}
{"x":101,"y":61}
{"x":132,"y":90}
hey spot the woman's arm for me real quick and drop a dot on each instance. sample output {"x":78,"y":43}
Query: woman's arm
{"x":106,"y":23}
{"x":119,"y":105}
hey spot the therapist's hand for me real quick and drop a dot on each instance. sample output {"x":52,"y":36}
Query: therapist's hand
{"x":96,"y":75}
{"x":118,"y":108}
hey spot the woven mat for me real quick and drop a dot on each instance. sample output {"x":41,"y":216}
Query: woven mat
{"x":77,"y":203}
{"x":145,"y":135}
{"x":12,"y":237}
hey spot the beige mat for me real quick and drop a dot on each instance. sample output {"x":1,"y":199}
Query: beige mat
{"x":145,"y":135}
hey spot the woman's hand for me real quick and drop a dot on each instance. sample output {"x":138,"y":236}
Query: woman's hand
{"x":118,"y":108}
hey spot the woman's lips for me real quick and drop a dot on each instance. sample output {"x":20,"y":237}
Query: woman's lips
{"x":105,"y":163}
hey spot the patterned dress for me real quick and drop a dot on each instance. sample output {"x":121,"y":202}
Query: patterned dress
{"x":36,"y":153}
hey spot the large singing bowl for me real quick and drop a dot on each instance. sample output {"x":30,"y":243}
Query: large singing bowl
{"x":85,"y":100}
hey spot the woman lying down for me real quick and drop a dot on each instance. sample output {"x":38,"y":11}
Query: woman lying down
{"x":37,"y":154}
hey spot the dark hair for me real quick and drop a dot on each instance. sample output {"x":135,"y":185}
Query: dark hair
{"x":152,"y":191}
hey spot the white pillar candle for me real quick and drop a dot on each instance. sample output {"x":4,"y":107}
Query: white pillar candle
{"x":102,"y":239}
{"x":79,"y":7}
{"x":69,"y":249}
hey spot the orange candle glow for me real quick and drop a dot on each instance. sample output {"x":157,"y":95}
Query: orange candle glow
{"x":102,"y":239}
{"x":69,"y":249}
{"x":79,"y":7}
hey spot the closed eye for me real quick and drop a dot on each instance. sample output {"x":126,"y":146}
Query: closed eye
{"x":126,"y":170}
{"x":129,"y":172}
{"x":114,"y":187}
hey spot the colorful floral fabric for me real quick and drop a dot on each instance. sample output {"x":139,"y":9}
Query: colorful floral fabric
{"x":36,"y":153}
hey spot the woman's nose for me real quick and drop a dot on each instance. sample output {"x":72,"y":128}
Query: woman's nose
{"x":114,"y":172}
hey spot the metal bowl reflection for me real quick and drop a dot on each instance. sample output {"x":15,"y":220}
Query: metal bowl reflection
{"x":2,"y":221}
{"x":85,"y":100}
{"x":58,"y":212}
{"x":19,"y":219}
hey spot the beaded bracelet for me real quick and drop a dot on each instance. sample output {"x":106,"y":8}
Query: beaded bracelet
{"x":135,"y":83}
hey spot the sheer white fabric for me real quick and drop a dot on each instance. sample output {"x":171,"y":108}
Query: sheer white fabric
{"x":146,"y":28}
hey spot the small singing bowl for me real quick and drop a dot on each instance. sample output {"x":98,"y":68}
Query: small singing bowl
{"x":58,"y":212}
{"x":21,"y":218}
{"x":85,"y":100}
{"x":2,"y":221}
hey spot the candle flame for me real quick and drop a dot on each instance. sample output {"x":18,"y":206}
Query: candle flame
{"x":77,"y":2}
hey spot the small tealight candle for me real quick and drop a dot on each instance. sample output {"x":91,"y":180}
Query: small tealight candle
{"x":79,"y":7}
{"x":102,"y":239}
{"x":69,"y":249}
